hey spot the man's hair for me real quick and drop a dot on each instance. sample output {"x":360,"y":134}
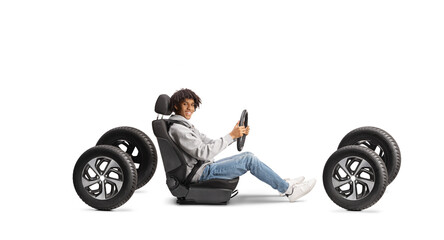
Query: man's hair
{"x":180,"y":96}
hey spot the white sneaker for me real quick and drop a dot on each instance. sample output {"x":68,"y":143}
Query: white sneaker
{"x":291,"y":182}
{"x":299,"y":190}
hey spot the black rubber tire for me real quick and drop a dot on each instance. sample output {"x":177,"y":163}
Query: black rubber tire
{"x":242,"y":122}
{"x":126,"y":169}
{"x":377,"y":137}
{"x":378,"y":176}
{"x":132,"y":137}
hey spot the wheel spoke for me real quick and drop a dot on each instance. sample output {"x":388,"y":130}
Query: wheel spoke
{"x":102,"y":195}
{"x":368,"y":144}
{"x":339,"y":183}
{"x":111,"y":164}
{"x":87,"y":183}
{"x":362,"y":164}
{"x":381,"y":154}
{"x":372,"y":146}
{"x":342,"y":164}
{"x":354,"y":192}
{"x":92,"y":165}
{"x":130,"y":149}
{"x":118,"y":183}
{"x":137,"y":159}
{"x":365,"y":143}
{"x":369,"y":183}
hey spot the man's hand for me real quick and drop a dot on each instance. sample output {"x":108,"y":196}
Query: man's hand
{"x":239,"y":131}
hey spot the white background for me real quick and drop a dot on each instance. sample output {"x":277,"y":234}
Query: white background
{"x":307,"y":71}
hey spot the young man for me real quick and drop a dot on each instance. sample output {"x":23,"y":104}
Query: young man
{"x":197,"y":146}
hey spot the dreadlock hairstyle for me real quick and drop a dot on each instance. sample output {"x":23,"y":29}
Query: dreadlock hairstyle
{"x":180,"y":96}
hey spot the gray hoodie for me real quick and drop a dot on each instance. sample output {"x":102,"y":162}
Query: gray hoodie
{"x":196,"y":146}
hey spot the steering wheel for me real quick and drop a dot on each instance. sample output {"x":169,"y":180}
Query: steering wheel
{"x":242,"y":122}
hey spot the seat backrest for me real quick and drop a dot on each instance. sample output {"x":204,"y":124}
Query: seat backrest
{"x":173,"y":160}
{"x":172,"y":157}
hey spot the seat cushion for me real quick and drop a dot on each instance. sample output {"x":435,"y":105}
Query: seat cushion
{"x":217,"y":183}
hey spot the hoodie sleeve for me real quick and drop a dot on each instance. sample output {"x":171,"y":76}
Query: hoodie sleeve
{"x":196,"y":145}
{"x":203,"y":137}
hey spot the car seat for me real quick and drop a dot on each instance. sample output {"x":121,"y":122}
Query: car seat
{"x":214,"y":191}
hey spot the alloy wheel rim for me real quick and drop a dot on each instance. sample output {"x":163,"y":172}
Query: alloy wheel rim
{"x":353,"y":178}
{"x":102,"y":178}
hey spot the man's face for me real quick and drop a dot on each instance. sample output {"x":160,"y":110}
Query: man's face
{"x":186,"y":108}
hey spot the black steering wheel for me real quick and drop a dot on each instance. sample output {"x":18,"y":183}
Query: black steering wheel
{"x":242,"y":122}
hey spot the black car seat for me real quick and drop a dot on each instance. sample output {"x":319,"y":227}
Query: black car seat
{"x":215,"y":191}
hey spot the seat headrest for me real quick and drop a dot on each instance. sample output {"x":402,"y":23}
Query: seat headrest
{"x":162,"y":105}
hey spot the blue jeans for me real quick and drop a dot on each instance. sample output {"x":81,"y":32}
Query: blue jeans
{"x":238,"y":165}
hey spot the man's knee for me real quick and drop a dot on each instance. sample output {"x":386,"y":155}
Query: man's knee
{"x":251,"y":160}
{"x":247,"y":154}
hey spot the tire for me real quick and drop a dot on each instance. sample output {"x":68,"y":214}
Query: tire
{"x":355,"y":177}
{"x":105,"y":177}
{"x":380,"y":141}
{"x":138,"y":145}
